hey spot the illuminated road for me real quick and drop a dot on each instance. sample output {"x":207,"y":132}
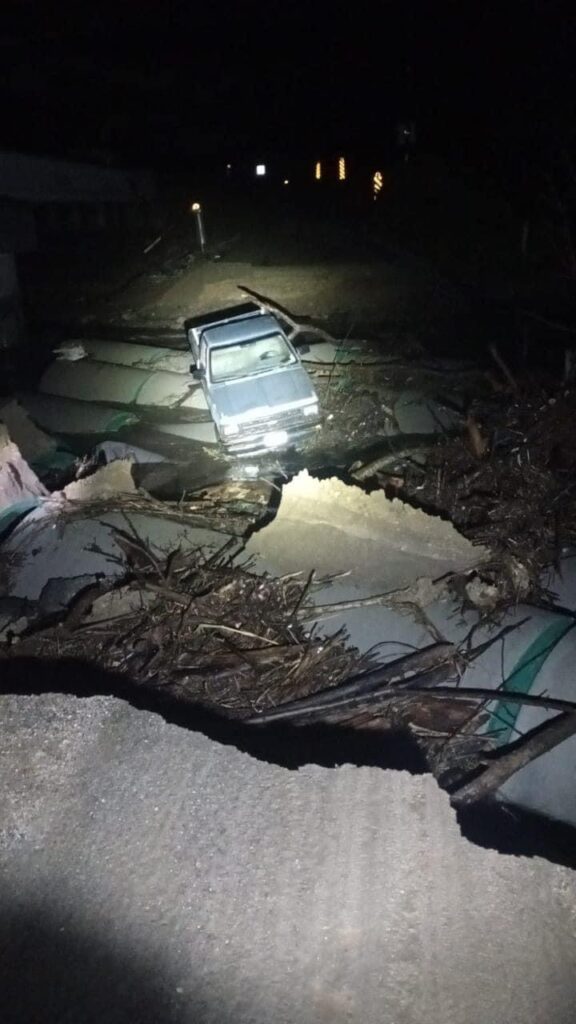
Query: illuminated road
{"x":150,"y":874}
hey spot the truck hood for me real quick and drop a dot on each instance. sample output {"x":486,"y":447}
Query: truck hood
{"x":255,"y":397}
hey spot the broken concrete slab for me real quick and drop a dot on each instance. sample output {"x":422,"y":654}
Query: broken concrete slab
{"x":416,"y":413}
{"x":70,"y":416}
{"x":334,"y":527}
{"x":203,"y":433}
{"x":46,"y":546}
{"x":114,"y":478}
{"x":91,"y":381}
{"x":140,"y":357}
{"x":380,"y":545}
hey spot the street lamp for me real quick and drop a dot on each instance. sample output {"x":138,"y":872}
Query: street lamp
{"x":196,"y":209}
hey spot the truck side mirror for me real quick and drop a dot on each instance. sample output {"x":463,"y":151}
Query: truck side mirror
{"x":195,"y":372}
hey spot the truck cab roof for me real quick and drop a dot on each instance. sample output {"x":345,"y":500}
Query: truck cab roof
{"x":223,"y":316}
{"x":237,"y":331}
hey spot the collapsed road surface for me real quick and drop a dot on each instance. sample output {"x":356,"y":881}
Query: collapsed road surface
{"x":173,"y":606}
{"x":203,"y":884}
{"x":150,"y":874}
{"x":180,"y":624}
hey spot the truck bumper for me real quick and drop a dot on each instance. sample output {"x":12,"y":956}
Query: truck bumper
{"x":275,"y":439}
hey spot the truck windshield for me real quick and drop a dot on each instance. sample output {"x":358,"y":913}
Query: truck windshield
{"x":229,"y":362}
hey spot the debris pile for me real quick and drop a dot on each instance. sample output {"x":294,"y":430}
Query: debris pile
{"x":506,"y":480}
{"x":206,"y":632}
{"x":199,"y":629}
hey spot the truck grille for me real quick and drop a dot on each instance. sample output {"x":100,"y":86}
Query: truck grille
{"x":284,"y":421}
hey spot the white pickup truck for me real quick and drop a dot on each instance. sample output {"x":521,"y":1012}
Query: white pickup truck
{"x":259,"y":394}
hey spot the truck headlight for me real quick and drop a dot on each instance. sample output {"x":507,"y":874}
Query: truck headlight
{"x":312,"y":410}
{"x":276,"y":438}
{"x":229,"y":429}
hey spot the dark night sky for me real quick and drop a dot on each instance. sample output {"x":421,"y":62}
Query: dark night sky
{"x":164,"y":81}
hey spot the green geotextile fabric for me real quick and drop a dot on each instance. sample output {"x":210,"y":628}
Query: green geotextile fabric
{"x":521,"y":679}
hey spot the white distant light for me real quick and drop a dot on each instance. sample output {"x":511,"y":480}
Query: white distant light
{"x":228,"y":167}
{"x":260,"y":170}
{"x":286,"y":181}
{"x":275,"y":439}
{"x":195,"y":207}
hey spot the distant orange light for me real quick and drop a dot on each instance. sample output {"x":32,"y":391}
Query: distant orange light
{"x":342,"y":168}
{"x":377,"y":182}
{"x":318,"y":170}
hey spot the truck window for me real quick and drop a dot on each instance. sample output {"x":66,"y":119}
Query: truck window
{"x":229,"y":362}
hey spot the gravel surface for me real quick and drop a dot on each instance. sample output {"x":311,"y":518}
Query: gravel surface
{"x":149,"y":874}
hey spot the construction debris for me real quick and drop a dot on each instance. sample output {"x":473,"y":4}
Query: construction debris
{"x":200,"y":630}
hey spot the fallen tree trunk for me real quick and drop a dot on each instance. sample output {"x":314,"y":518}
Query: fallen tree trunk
{"x":297,"y":326}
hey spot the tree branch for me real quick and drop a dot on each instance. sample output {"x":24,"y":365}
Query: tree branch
{"x":297,"y":326}
{"x":515,"y":756}
{"x":370,"y":686}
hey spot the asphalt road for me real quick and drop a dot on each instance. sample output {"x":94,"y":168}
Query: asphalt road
{"x":150,"y":874}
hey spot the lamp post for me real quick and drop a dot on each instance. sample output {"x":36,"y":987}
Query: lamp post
{"x":197,"y":211}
